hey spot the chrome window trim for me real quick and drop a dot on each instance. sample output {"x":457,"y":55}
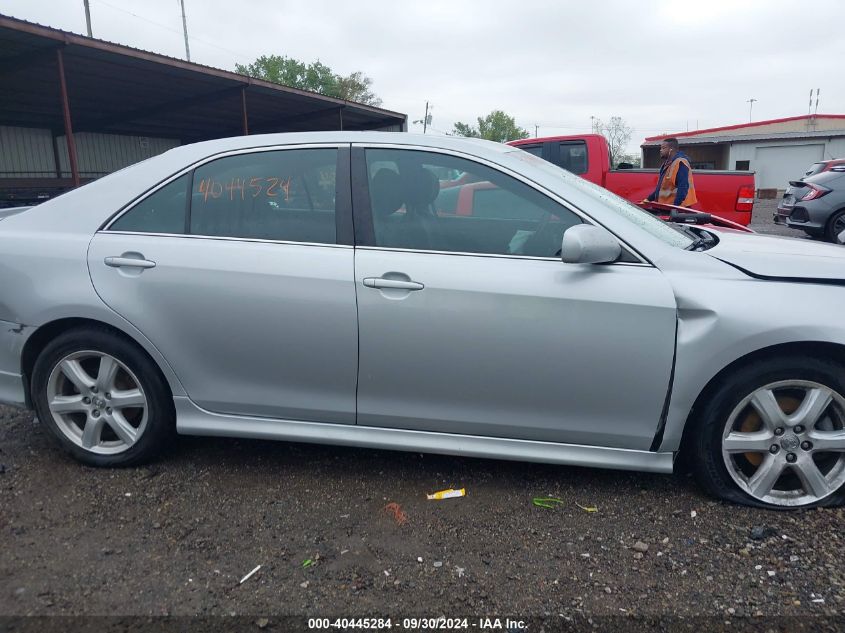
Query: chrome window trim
{"x":584,"y":216}
{"x":225,"y":238}
{"x":488,"y":255}
{"x":106,"y":226}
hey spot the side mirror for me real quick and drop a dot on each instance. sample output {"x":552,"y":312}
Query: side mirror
{"x":588,"y":244}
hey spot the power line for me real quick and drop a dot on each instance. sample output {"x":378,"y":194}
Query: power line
{"x":172,"y":30}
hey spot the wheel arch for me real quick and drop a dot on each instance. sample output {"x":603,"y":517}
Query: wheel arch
{"x":41,"y":337}
{"x":818,"y":349}
{"x":829,"y":224}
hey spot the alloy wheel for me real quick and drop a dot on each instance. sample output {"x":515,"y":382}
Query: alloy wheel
{"x":97,"y":402}
{"x":784,"y":444}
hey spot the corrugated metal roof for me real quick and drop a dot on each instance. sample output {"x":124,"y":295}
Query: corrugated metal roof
{"x":741,"y":138}
{"x":744,"y":126}
{"x":124,"y":90}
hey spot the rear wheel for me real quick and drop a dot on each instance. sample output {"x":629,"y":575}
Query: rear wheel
{"x":102,"y":398}
{"x":773,"y":435}
{"x":835,"y":226}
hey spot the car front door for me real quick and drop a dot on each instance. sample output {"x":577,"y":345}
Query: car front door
{"x":247,"y":290}
{"x":471,"y":324}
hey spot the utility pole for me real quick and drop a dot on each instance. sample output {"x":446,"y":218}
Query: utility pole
{"x":427,"y":118}
{"x":87,"y":17}
{"x":185,"y":29}
{"x":536,"y":128}
{"x":750,"y":108}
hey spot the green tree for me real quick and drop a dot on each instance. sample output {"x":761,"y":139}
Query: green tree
{"x":316,"y":77}
{"x":496,"y":126}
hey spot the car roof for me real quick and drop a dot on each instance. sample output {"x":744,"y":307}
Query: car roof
{"x":197,"y":151}
{"x":825,"y":177}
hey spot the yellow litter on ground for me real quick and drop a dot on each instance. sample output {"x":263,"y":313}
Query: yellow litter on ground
{"x":451,"y":493}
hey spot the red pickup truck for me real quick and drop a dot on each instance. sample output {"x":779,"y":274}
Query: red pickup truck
{"x":727,"y":194}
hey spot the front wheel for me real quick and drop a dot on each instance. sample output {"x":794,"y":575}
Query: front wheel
{"x":773,"y":435}
{"x":102,"y":398}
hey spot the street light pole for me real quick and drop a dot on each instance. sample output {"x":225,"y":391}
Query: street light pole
{"x":750,"y":108}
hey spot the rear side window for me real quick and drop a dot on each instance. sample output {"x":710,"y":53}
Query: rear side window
{"x":815,"y":168}
{"x":162,"y":212}
{"x":284,"y":195}
{"x":573,"y":157}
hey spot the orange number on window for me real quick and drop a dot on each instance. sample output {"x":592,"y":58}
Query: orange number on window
{"x":255,"y":183}
{"x":234,"y":185}
{"x":274,"y":183}
{"x":205,"y":185}
{"x":285,"y":186}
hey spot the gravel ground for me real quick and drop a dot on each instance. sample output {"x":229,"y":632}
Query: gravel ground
{"x":175,"y":537}
{"x":761,"y":220}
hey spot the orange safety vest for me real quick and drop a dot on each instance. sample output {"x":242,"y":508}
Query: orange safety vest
{"x":668,"y":187}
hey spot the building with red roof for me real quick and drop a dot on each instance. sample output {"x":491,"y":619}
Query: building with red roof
{"x":777,"y":150}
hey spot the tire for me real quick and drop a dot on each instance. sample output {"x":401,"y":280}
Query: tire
{"x":762,"y":408}
{"x":835,"y":225}
{"x":102,"y":399}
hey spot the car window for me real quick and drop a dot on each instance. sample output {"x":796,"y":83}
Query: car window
{"x":161,"y":212}
{"x":485,"y":211}
{"x":573,"y":156}
{"x":814,"y":169}
{"x":277,"y":195}
{"x":537,"y":150}
{"x":631,"y":212}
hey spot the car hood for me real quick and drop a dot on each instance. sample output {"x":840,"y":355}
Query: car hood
{"x":781,"y":258}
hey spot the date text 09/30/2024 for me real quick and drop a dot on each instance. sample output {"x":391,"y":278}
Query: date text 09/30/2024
{"x":417,"y":624}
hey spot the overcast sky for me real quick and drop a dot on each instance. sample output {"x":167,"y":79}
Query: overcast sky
{"x":662,"y":66}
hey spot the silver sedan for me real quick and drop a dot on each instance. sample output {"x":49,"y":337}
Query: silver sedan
{"x":423,"y":294}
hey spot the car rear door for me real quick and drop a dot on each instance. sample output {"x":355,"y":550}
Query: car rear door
{"x":247,"y":289}
{"x":473,"y":325}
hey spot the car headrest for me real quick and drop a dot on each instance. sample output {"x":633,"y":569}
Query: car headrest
{"x":386,"y":192}
{"x":420,"y":185}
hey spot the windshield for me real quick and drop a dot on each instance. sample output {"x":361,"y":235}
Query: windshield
{"x":815,"y":168}
{"x":645,"y":220}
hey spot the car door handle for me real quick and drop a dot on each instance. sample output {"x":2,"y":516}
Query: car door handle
{"x":128,"y":262}
{"x":396,"y":284}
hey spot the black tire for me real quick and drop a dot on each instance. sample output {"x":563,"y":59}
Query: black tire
{"x":832,"y":231}
{"x":159,"y":428}
{"x":704,"y":445}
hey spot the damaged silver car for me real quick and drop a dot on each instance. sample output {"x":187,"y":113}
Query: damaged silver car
{"x":424,"y":294}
